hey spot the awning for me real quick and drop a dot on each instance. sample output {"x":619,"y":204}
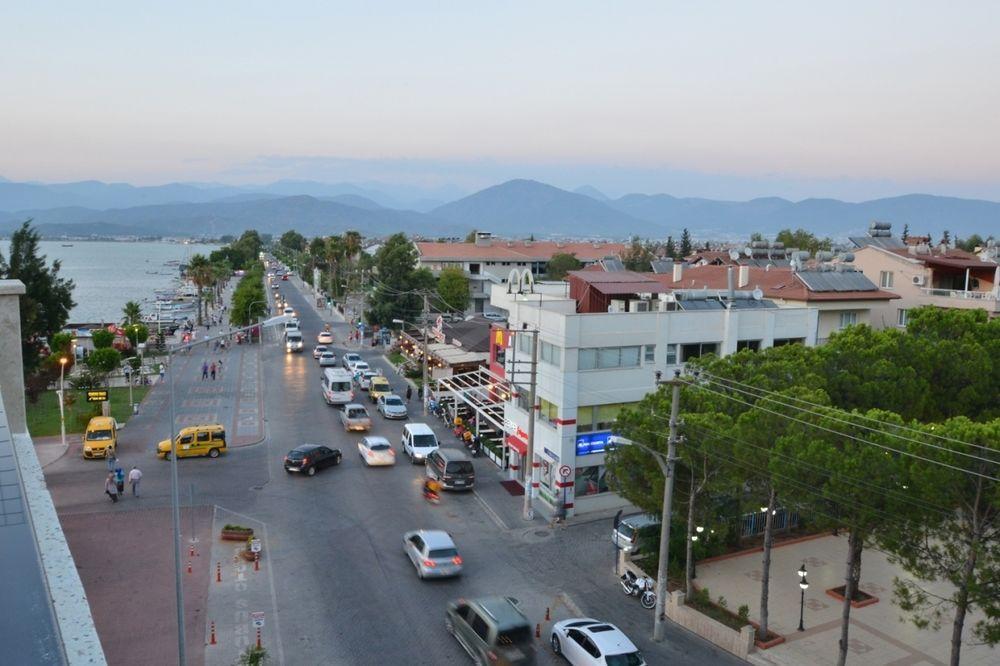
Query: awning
{"x":516,"y":444}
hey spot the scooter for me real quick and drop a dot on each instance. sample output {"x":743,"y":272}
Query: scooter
{"x":432,"y":497}
{"x":641,"y":587}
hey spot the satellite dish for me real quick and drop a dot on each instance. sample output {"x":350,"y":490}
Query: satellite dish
{"x":748,"y":251}
{"x":734,"y":255}
{"x":757,"y":294}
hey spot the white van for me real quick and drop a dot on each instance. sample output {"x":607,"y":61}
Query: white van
{"x":337,"y":386}
{"x":293,"y":341}
{"x":418,"y":441}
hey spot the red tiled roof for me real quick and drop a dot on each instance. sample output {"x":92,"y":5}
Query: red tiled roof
{"x":775,"y":283}
{"x":950,"y":258}
{"x":516,"y":250}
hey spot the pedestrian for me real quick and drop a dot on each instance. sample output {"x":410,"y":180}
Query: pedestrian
{"x":120,"y":480}
{"x":163,"y":371}
{"x":110,"y":488}
{"x":213,"y":371}
{"x":204,"y":370}
{"x":409,"y":392}
{"x":112,"y":461}
{"x":134,"y":477}
{"x":220,"y":368}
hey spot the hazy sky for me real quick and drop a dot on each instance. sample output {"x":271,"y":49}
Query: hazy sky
{"x":727,"y":99}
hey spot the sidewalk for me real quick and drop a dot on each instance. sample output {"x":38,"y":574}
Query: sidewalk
{"x":877,"y":636}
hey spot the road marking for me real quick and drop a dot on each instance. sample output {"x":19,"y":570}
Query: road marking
{"x":494,"y":516}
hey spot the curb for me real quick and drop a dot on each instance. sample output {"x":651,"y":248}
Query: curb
{"x":760,"y":549}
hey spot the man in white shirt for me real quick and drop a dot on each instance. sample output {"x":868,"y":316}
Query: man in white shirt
{"x":134,"y":477}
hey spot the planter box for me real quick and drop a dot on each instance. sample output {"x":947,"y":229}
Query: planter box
{"x":775,"y":639}
{"x":236,"y":535}
{"x":867,"y":600}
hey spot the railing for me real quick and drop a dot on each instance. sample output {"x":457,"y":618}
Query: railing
{"x":752,"y":524}
{"x":960,"y":293}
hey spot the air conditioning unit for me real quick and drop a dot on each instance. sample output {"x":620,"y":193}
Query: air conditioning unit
{"x":919,"y":280}
{"x":645,"y":296}
{"x":643,"y":306}
{"x":617,"y":306}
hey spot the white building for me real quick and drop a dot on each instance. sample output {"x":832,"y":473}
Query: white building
{"x":600,"y":342}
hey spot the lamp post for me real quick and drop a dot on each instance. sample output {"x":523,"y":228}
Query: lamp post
{"x":803,"y":586}
{"x":62,"y":393}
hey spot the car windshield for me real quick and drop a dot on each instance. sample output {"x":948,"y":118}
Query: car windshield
{"x":321,"y":349}
{"x":395,"y":402}
{"x":98,"y":434}
{"x":424,"y":441}
{"x":626,"y":530}
{"x":326,"y":355}
{"x":630,"y":659}
{"x":352,"y":357}
{"x":442,"y":553}
{"x":379,"y":446}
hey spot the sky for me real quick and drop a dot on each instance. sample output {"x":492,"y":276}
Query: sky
{"x":852,"y":100}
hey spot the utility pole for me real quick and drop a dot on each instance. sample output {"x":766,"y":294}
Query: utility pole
{"x":531,"y":473}
{"x":659,"y":623}
{"x":425,"y":389}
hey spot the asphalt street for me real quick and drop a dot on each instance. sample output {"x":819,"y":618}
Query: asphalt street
{"x":334,"y":582}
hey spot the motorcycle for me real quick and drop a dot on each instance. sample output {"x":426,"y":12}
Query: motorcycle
{"x":432,"y":497}
{"x":641,"y":587}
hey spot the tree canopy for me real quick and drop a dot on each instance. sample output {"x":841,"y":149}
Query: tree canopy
{"x":453,"y":290}
{"x":560,"y":264}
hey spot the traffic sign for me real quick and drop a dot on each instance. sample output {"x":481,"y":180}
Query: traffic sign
{"x":97,"y":396}
{"x":255,"y":545}
{"x":257,"y":617}
{"x":565,"y":471}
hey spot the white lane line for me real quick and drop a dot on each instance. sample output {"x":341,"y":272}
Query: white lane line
{"x":494,"y":516}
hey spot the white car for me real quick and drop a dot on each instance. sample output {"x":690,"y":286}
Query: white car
{"x":376,"y":451}
{"x":365,"y":378}
{"x":495,"y":316}
{"x":357,"y":368}
{"x":318,"y":350}
{"x":583,"y":641}
{"x":350,"y":358}
{"x":433,"y":553}
{"x":327,"y":359}
{"x":325,"y":338}
{"x":392,"y":407}
{"x":289,"y":311}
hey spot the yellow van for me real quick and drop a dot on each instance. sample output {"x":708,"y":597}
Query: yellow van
{"x":100,"y":438}
{"x":199,"y":440}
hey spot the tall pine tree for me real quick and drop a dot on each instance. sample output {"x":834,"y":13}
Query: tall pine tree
{"x":686,"y":247}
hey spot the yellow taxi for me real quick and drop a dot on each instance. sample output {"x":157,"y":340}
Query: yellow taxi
{"x":101,"y":437}
{"x":199,"y":440}
{"x":380,"y":386}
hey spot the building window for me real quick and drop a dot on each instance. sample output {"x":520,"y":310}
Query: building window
{"x":650,"y":356}
{"x":604,"y":358}
{"x":697,"y":349}
{"x":547,"y":411}
{"x":500,"y":355}
{"x":752,"y":345}
{"x":902,"y":317}
{"x":521,"y":400}
{"x":591,"y":480}
{"x":598,"y":417}
{"x":550,"y":353}
{"x":885,"y":279}
{"x":781,"y":342}
{"x":849,"y":318}
{"x":672,"y":354}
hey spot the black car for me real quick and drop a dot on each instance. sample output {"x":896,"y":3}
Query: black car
{"x":310,"y":457}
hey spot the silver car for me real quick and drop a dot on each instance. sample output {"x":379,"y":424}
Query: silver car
{"x":391,"y":406}
{"x":355,"y":417}
{"x":327,"y":359}
{"x":433,"y":553}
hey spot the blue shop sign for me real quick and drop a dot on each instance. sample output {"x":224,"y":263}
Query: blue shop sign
{"x":592,"y":442}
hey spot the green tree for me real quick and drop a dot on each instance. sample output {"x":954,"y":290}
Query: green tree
{"x":395,"y":295}
{"x":102,"y":338}
{"x":131,"y":313}
{"x":293,"y":240}
{"x":137,"y":334}
{"x":471,"y":236}
{"x":803,"y":240}
{"x":637,"y":256}
{"x":249,"y":302}
{"x":48,"y":298}
{"x":199,"y":271}
{"x":946,"y":237}
{"x":560,"y":264}
{"x":906,"y":232}
{"x":971,"y":243}
{"x":686,"y":246}
{"x":670,"y":248}
{"x":104,"y":360}
{"x":453,"y":289}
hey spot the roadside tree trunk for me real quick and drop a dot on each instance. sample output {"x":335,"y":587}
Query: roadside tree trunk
{"x":765,"y":567}
{"x":689,"y":546}
{"x":855,"y":543}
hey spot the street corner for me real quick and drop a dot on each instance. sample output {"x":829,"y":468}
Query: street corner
{"x":241,"y":609}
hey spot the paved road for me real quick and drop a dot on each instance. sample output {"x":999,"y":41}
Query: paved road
{"x":333,"y":583}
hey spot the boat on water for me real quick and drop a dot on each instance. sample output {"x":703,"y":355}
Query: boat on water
{"x":67,"y":245}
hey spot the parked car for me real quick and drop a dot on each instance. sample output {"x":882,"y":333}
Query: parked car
{"x":493,"y":630}
{"x":588,"y":642}
{"x":355,"y":417}
{"x":376,"y":451}
{"x":198,"y":440}
{"x":325,"y":338}
{"x":311,"y":457}
{"x":495,"y":316}
{"x":433,"y":553}
{"x":327,"y":359}
{"x":391,"y":406}
{"x":418,"y":441}
{"x":631,"y":528}
{"x":318,"y":351}
{"x":350,"y":358}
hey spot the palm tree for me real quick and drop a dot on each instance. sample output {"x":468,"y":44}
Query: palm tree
{"x":334,"y":252}
{"x":221,"y":272}
{"x":199,"y":271}
{"x":132,"y":313}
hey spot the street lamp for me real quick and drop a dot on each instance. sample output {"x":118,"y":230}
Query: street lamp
{"x":423,"y":390}
{"x":62,"y":393}
{"x":803,"y":585}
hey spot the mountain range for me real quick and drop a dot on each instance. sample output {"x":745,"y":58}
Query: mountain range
{"x":515,"y":208}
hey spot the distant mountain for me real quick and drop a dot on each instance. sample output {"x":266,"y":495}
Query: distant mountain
{"x":522,"y":207}
{"x":592,"y":192}
{"x":308,"y":215}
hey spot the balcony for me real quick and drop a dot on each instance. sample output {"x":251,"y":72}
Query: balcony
{"x":962,"y":298}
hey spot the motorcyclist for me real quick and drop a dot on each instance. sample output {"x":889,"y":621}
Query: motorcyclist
{"x":432,"y":489}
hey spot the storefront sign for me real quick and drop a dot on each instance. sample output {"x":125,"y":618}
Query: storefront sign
{"x":550,"y":454}
{"x":592,"y":442}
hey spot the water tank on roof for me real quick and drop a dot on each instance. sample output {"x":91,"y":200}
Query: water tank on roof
{"x":823,"y":255}
{"x":880,"y":226}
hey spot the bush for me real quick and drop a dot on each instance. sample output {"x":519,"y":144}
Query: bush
{"x":103,"y":339}
{"x":86,"y":379}
{"x":253,"y":656}
{"x":744,"y":613}
{"x":104,"y":360}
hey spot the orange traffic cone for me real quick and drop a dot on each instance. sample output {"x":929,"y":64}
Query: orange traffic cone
{"x":211,"y":633}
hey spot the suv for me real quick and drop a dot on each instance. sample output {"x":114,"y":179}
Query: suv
{"x":199,"y":440}
{"x":451,"y":468}
{"x":627,"y":535}
{"x":492,"y":630}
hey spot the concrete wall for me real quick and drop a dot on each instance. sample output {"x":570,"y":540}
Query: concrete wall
{"x":739,"y":642}
{"x":11,"y":362}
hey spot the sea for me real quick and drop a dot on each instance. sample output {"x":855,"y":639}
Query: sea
{"x":107,"y":274}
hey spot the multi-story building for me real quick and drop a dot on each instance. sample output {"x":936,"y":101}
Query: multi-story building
{"x":601,"y":338}
{"x":489,"y":260}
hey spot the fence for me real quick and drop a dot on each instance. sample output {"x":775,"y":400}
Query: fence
{"x":752,"y":524}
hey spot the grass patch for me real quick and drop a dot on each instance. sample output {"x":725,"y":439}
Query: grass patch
{"x":43,"y":415}
{"x":396,"y":358}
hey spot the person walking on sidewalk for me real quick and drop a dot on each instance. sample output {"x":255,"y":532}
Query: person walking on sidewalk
{"x":220,"y":368}
{"x":111,"y":488}
{"x":134,"y":477}
{"x":409,"y":392}
{"x":213,"y":371}
{"x":120,"y":480}
{"x":163,"y":371}
{"x":204,"y":370}
{"x":112,"y":461}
